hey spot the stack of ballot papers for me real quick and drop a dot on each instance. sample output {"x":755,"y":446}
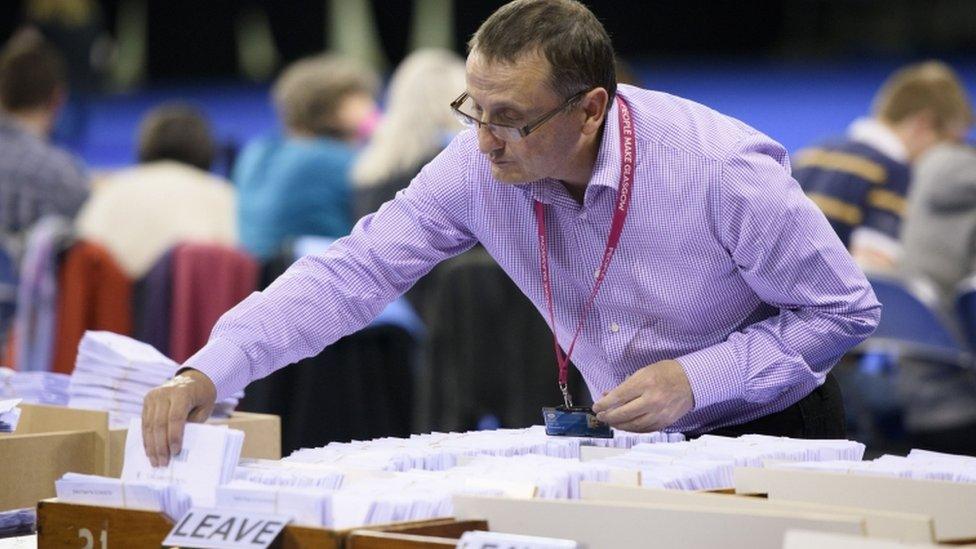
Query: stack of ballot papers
{"x":34,"y":387}
{"x":918,"y":464}
{"x":707,"y":463}
{"x":9,"y":414}
{"x":439,"y":451}
{"x":754,"y":450}
{"x":208,"y":458}
{"x":146,"y":495}
{"x":113,"y":373}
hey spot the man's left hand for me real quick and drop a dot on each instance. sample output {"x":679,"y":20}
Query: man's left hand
{"x":650,"y":400}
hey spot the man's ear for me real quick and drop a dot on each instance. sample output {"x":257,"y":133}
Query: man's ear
{"x":594,"y":105}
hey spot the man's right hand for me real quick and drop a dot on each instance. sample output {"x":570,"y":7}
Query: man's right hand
{"x":190,"y":396}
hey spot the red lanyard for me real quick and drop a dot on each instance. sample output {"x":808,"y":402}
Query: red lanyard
{"x":628,"y":150}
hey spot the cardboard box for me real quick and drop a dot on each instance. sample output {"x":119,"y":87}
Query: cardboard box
{"x":53,"y":440}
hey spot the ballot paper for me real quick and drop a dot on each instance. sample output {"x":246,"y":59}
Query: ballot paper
{"x":146,"y":495}
{"x":114,"y":372}
{"x":9,"y":414}
{"x":208,"y":458}
{"x":439,"y":451}
{"x":918,"y":464}
{"x":34,"y":387}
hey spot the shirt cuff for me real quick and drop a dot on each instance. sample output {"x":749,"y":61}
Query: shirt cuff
{"x":225,"y":364}
{"x":712,"y":373}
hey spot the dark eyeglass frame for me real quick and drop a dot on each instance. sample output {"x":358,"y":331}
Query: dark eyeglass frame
{"x":505,"y":132}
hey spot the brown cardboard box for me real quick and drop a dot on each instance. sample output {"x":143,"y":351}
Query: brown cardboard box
{"x":53,"y":440}
{"x":49,"y":442}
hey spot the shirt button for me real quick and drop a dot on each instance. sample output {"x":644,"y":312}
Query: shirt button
{"x":583,"y":216}
{"x":596,"y":273}
{"x":614,"y":327}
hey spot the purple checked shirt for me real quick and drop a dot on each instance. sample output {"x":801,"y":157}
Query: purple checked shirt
{"x":723,"y":265}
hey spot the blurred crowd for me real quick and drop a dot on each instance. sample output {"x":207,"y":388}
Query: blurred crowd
{"x":899,"y":188}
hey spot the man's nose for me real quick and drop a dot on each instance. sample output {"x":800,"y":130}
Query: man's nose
{"x":487,"y":142}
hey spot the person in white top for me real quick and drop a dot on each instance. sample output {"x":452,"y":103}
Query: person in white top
{"x":168,"y":198}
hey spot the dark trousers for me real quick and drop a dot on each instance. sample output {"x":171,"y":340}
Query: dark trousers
{"x":817,"y":415}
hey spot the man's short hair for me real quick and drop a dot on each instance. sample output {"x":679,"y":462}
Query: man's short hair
{"x":570,"y":37}
{"x":32,"y":72}
{"x":179,"y":132}
{"x":310,"y":91}
{"x":931,"y":87}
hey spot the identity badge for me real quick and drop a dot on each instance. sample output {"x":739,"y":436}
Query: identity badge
{"x":574,"y":421}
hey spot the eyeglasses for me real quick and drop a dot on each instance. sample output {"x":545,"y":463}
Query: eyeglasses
{"x":501,"y":131}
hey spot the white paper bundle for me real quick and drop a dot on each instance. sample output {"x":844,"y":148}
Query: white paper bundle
{"x":754,"y":450}
{"x":114,"y":372}
{"x":551,"y":477}
{"x":439,"y":451}
{"x":208,"y":458}
{"x":675,"y":473}
{"x":145,"y":495}
{"x":290,"y":475}
{"x":919,"y":464}
{"x":34,"y":387}
{"x":306,"y":506}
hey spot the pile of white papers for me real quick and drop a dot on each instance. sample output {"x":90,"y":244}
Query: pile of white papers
{"x":114,"y":373}
{"x":9,"y":414}
{"x":439,"y":451}
{"x":289,"y":475}
{"x":548,"y":477}
{"x":706,"y":463}
{"x":145,"y":495}
{"x":34,"y":387}
{"x":919,"y":464}
{"x":754,"y":450}
{"x":682,"y":473}
{"x":207,"y":459}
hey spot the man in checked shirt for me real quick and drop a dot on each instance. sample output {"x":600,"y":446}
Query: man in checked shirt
{"x":728,"y":298}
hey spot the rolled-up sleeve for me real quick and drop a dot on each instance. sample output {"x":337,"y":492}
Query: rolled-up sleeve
{"x":324,"y":297}
{"x":786,"y":251}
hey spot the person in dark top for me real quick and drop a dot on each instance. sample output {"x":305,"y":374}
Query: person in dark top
{"x":860,"y":181}
{"x":36,"y":178}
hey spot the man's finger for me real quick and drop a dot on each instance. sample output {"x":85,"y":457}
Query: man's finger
{"x":147,"y":429}
{"x":641,"y":424}
{"x":624,"y":393}
{"x":174,"y":429}
{"x":160,"y":432}
{"x":625,"y":412}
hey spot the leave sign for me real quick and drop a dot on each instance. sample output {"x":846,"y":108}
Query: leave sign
{"x":216,"y":528}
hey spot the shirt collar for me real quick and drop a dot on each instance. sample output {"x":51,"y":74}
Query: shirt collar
{"x":606,"y":170}
{"x":875,"y":134}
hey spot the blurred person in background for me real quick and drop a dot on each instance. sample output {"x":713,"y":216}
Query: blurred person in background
{"x":939,"y":240}
{"x":860,"y":181}
{"x":415,"y":127}
{"x":168,"y":198}
{"x":297,"y":183}
{"x":36,"y":178}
